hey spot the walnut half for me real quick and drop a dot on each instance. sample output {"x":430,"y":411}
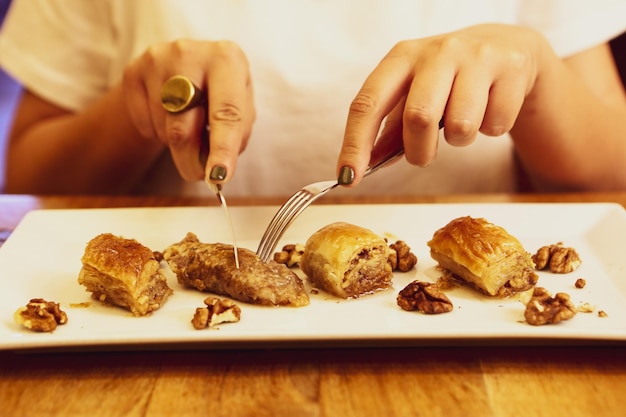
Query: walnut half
{"x":542,"y":308}
{"x":424,"y":297}
{"x":216,"y":311}
{"x":401,"y":258}
{"x":290,"y":255}
{"x":40,"y":315}
{"x":558,"y":258}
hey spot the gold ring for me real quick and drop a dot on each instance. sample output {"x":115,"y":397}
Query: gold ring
{"x":179,"y":94}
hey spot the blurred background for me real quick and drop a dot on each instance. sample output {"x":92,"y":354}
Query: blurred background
{"x":9,"y":90}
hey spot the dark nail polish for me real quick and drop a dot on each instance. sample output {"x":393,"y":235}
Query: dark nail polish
{"x":218,"y":173}
{"x":346,"y":176}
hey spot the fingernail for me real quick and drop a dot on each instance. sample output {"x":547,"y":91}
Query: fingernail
{"x":346,"y":176}
{"x":218,"y":173}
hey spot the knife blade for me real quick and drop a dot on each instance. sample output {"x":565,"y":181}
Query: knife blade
{"x":203,"y":156}
{"x":217,"y":189}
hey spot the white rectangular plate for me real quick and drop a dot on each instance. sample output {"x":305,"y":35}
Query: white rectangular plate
{"x":41,"y":259}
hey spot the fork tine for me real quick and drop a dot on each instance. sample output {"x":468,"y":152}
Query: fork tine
{"x":281,"y":216}
{"x":281,"y":220}
{"x":271,"y":227}
{"x":287,"y":220}
{"x":287,"y":213}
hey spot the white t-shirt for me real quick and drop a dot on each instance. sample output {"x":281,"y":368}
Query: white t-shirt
{"x":308,"y":59}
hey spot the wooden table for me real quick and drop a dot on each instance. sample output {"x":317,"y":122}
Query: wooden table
{"x":411,"y":381}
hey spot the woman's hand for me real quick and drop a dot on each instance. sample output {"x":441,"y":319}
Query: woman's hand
{"x":221,"y":70}
{"x":475,"y":79}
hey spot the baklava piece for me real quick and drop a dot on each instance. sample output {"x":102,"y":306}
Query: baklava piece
{"x":123,"y":272}
{"x":347,"y":261}
{"x":484,"y":256}
{"x":211,"y":267}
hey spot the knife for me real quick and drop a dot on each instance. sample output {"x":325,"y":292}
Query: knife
{"x":180,"y":94}
{"x":217,"y":189}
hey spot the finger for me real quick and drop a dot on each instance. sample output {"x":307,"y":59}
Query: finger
{"x":154,"y":83}
{"x":390,"y":138}
{"x":466,"y":106}
{"x":424,"y":108}
{"x":138,"y":103}
{"x":381,"y":91}
{"x":230,"y":110}
{"x":506,"y":98}
{"x":183,"y":135}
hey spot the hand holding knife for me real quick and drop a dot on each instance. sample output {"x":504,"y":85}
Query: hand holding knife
{"x":179,"y":94}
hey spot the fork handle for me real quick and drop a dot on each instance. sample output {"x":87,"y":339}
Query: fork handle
{"x":391,"y":157}
{"x":386,"y":161}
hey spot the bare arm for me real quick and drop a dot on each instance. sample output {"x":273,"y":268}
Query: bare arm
{"x":570,"y":133}
{"x":54,"y":151}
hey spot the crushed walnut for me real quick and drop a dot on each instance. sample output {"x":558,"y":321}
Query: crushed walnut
{"x":401,"y":258}
{"x":217,"y":311}
{"x":424,"y":297}
{"x":544,"y":309}
{"x":40,"y":315}
{"x":585,"y":308}
{"x":558,"y":258}
{"x":290,"y":255}
{"x":580,"y":283}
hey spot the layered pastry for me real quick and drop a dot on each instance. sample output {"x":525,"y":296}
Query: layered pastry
{"x":123,"y":272}
{"x":347,"y":260}
{"x":211,"y":267}
{"x":484,"y":256}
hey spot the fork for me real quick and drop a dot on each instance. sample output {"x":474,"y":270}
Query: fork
{"x":300,"y":201}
